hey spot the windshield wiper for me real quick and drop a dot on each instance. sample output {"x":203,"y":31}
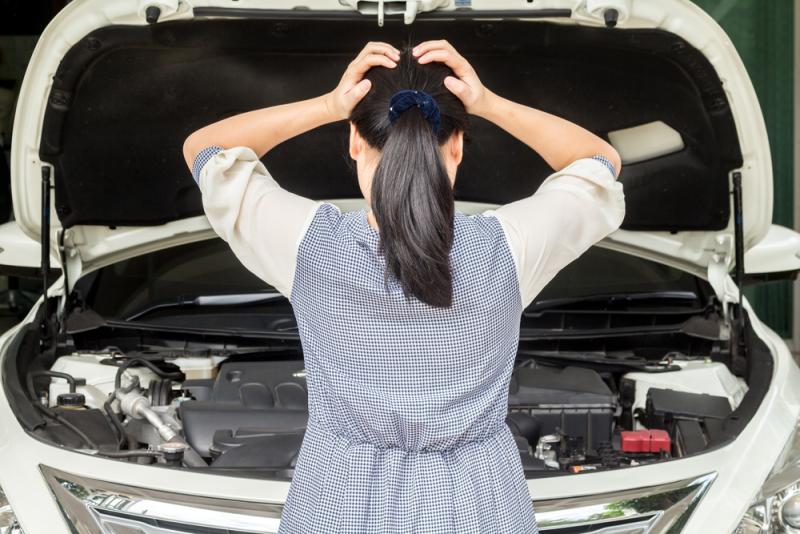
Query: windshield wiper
{"x":235,"y":299}
{"x":695,"y":326}
{"x":88,"y":320}
{"x":625,"y":362}
{"x":619,"y":302}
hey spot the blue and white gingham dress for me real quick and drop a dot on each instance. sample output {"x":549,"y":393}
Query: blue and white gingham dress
{"x":407,"y":403}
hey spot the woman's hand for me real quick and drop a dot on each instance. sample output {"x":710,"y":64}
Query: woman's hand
{"x":466,"y":85}
{"x":353,"y":87}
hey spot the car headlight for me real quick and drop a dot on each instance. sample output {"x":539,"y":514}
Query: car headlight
{"x":776,"y":510}
{"x":8,"y":521}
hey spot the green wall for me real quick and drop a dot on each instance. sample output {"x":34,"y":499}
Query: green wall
{"x":762,"y":31}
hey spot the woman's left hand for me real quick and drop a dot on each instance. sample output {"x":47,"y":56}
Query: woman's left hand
{"x":353,"y":87}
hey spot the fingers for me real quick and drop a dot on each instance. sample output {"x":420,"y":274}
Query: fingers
{"x":359,"y":90}
{"x":456,"y":86}
{"x":427,"y":46}
{"x":372,"y":60}
{"x":457,"y":63}
{"x":373,"y":55}
{"x":376,"y":47}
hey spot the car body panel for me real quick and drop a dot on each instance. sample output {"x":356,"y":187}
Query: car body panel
{"x":779,"y":251}
{"x":19,"y":254}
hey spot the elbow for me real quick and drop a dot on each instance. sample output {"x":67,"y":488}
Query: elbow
{"x":191,"y":147}
{"x":613,"y":156}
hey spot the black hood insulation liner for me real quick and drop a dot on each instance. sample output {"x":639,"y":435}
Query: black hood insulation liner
{"x":125,"y":98}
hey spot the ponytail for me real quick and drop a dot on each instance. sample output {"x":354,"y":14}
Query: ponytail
{"x":413,"y":203}
{"x":411,"y":194}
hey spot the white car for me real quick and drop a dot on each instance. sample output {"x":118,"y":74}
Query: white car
{"x":160,"y":388}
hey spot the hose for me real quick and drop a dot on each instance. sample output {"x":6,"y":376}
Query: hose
{"x":191,"y":458}
{"x":150,"y":365}
{"x":116,"y":424}
{"x":50,"y":413}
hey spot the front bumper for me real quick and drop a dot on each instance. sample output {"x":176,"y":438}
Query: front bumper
{"x":91,"y":505}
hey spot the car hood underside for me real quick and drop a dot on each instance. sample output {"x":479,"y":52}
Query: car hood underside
{"x":114,"y":136}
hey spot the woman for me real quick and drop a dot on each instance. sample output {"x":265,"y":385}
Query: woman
{"x":408,"y":312}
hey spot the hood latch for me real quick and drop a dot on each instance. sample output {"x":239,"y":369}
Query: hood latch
{"x":408,"y":8}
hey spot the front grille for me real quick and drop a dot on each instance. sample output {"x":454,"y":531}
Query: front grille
{"x":93,"y":506}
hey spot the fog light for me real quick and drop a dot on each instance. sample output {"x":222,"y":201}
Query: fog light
{"x":790,"y":511}
{"x":8,"y":521}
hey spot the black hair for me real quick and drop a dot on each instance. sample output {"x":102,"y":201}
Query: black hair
{"x":411,"y":197}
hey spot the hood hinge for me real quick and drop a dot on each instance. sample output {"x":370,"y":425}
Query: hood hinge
{"x":71,"y":269}
{"x":52,"y":325}
{"x":718,"y":269}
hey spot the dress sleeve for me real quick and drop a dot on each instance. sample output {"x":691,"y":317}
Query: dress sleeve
{"x":262,"y":222}
{"x":572,"y":209}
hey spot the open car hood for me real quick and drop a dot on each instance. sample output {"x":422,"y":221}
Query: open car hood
{"x":108,"y":100}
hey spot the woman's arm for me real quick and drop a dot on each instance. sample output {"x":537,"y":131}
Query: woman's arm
{"x":557,"y":140}
{"x":262,"y":222}
{"x":263,"y":129}
{"x":573,"y":208}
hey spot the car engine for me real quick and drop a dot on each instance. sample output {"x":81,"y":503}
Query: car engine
{"x":248,"y":412}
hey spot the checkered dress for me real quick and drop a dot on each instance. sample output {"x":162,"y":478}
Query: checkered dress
{"x":407,"y":402}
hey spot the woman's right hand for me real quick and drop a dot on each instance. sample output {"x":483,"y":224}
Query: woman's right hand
{"x":465,"y":85}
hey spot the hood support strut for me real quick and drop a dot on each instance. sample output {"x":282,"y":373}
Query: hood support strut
{"x":44,"y":341}
{"x":738,"y":240}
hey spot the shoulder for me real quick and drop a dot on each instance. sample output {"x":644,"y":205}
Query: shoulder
{"x":322,"y":224}
{"x":481,"y":235}
{"x":483,"y":226}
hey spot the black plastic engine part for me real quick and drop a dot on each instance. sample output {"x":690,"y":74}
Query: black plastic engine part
{"x":666,"y":405}
{"x":160,"y":392}
{"x":688,"y":437}
{"x":573,"y":401}
{"x":272,"y":384}
{"x":202,"y":419}
{"x":269,"y":397}
{"x":91,"y":421}
{"x":526,"y":431}
{"x":627,"y":395}
{"x":522,"y":424}
{"x":609,"y":457}
{"x":71,"y":400}
{"x":276,"y":451}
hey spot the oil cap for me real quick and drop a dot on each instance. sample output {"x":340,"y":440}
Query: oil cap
{"x":71,"y":400}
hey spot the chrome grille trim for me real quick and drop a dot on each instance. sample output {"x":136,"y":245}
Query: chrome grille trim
{"x":93,"y":506}
{"x":654,"y":509}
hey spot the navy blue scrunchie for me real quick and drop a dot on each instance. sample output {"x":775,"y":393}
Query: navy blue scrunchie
{"x":406,"y":99}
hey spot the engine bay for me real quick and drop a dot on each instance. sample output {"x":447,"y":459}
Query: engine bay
{"x":621,"y":362}
{"x":248,"y":412}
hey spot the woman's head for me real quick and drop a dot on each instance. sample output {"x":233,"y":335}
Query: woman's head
{"x":406,"y":172}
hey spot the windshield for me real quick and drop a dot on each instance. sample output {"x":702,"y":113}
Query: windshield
{"x":168,"y":283}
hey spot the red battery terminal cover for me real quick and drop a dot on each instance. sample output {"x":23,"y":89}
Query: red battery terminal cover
{"x":645,"y":441}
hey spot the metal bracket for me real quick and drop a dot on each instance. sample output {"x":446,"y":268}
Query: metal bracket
{"x":718,"y":269}
{"x":409,"y":9}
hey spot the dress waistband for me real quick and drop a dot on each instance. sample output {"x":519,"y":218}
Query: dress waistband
{"x":351,"y":442}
